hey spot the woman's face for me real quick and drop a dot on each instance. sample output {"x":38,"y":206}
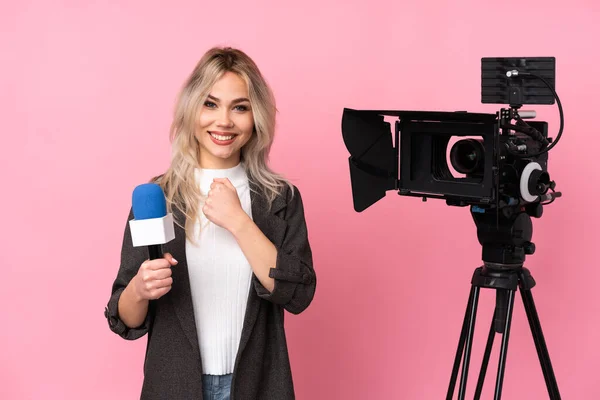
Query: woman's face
{"x":224,"y":123}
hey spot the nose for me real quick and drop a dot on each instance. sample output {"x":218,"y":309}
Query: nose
{"x":224,"y":119}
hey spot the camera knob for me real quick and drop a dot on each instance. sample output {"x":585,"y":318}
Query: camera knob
{"x":529,"y":248}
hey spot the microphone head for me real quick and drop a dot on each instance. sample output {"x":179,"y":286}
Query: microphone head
{"x":149,"y":202}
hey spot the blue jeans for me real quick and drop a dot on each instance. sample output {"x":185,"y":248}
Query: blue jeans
{"x":216,"y":387}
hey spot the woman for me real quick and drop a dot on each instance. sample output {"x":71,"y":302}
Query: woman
{"x":213,"y":307}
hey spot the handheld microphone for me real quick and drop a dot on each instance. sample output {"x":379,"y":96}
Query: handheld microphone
{"x":151,"y":225}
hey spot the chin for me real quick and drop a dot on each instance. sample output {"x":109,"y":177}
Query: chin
{"x":222,"y":154}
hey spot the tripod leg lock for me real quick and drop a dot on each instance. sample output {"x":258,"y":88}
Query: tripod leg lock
{"x":526,"y":280}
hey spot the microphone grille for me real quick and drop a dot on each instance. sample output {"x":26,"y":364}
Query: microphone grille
{"x":148,"y":201}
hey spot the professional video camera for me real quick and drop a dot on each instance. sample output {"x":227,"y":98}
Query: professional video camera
{"x":497,"y":164}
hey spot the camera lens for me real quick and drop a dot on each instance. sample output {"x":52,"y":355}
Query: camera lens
{"x":466,"y":156}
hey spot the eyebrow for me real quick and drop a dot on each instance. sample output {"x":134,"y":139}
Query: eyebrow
{"x":240,"y":100}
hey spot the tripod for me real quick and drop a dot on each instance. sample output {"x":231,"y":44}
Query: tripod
{"x":505,"y":242}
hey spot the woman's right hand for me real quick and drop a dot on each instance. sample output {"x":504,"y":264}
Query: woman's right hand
{"x":153,"y":279}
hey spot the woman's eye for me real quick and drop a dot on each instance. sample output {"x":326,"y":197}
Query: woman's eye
{"x":209,"y":104}
{"x":241,"y":108}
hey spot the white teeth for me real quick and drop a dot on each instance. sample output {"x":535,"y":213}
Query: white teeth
{"x":220,"y":137}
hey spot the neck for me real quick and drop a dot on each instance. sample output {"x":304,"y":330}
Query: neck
{"x":205,"y":176}
{"x":208,"y":163}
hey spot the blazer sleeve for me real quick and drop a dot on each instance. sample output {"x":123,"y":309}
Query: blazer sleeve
{"x":294,"y":274}
{"x":131,"y":259}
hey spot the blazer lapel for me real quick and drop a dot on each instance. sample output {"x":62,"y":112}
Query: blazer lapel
{"x":181,"y":294}
{"x":274,"y":228}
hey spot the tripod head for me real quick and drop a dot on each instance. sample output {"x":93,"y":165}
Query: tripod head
{"x":505,"y":239}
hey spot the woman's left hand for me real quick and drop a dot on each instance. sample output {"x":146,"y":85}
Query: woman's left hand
{"x":222,"y":206}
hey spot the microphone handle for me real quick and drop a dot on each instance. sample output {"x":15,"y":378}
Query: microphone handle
{"x":155,"y":251}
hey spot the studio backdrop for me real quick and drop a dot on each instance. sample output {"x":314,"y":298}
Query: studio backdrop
{"x":88,"y":90}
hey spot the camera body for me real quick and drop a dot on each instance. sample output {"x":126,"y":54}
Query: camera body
{"x":485,"y":166}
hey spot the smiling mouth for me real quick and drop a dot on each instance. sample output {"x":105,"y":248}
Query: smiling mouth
{"x":221,"y":136}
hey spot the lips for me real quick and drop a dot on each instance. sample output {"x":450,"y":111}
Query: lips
{"x":222,"y":138}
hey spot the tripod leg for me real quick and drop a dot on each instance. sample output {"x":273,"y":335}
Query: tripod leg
{"x":540,"y":343}
{"x":504,"y":347}
{"x":461,"y":346}
{"x":486,"y":359}
{"x":469,"y":343}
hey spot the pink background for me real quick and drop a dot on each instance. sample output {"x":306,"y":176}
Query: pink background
{"x":87,"y":93}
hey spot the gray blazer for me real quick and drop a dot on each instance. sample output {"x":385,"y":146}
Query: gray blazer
{"x":172,"y":367}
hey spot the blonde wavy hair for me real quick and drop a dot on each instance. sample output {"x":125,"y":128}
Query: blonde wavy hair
{"x":178,"y":182}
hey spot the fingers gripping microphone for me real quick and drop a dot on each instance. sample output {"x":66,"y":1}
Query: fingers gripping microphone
{"x":151,"y":225}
